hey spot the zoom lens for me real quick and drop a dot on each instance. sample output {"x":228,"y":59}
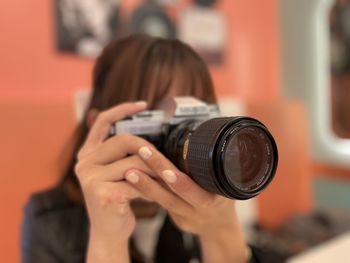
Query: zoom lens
{"x":235,"y":157}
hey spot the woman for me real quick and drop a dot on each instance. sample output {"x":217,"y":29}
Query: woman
{"x":124,"y":182}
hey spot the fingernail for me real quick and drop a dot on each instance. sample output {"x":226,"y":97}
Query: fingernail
{"x":132,"y":177}
{"x":145,"y":152}
{"x":141,"y":103}
{"x":169,"y":176}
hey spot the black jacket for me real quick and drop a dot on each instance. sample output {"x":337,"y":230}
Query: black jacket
{"x":56,"y":230}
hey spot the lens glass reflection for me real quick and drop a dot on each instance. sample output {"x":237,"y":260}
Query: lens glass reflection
{"x":246,"y":157}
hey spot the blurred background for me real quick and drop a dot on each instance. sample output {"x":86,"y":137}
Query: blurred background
{"x":284,"y":62}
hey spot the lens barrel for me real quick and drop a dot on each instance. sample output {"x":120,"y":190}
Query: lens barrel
{"x":232,"y":156}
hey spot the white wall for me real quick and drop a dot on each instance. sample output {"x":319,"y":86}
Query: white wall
{"x":305,"y":67}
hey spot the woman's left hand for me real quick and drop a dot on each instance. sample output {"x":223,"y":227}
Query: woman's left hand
{"x":210,"y":216}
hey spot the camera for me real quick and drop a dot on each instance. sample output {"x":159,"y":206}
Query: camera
{"x":235,"y":157}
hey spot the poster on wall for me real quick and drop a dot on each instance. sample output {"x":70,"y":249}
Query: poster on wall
{"x":85,"y":26}
{"x":152,"y":18}
{"x":205,"y":30}
{"x":166,"y":2}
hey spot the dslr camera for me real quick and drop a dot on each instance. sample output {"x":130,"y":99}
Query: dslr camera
{"x":235,"y":157}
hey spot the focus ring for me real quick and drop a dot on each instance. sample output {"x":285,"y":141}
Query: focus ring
{"x":200,"y":153}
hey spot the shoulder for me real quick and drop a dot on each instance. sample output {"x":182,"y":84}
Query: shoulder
{"x":53,"y":206}
{"x":46,"y":209}
{"x":47,"y":201}
{"x":50,"y":218}
{"x":52,"y":209}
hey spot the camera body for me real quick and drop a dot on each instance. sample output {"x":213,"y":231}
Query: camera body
{"x":232,"y":156}
{"x":155,"y":125}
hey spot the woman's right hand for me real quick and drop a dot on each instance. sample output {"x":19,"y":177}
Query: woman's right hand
{"x":101,"y":177}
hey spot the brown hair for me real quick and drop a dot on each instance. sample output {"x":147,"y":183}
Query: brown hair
{"x":136,"y":68}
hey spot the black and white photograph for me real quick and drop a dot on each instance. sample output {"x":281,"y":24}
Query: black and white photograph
{"x":85,"y":26}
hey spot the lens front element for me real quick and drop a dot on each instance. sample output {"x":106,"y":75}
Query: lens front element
{"x":246,"y":157}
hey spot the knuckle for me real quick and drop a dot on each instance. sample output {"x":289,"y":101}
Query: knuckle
{"x":87,"y":182}
{"x":145,"y":142}
{"x":103,"y":196}
{"x":79,"y":168}
{"x":121,"y":196}
{"x":185,"y":186}
{"x":119,"y":190}
{"x":87,"y":175}
{"x":81,"y":153}
{"x":205,"y":204}
{"x":117,"y":196}
{"x":103,"y":117}
{"x":178,"y":220}
{"x":186,"y":227}
{"x":208,"y":202}
{"x":139,"y":140}
{"x":145,"y":186}
{"x":170,"y":203}
{"x":106,"y":194}
{"x":125,"y":138}
{"x":200,"y":221}
{"x":82,"y":168}
{"x":123,"y":209}
{"x":183,"y":223}
{"x":126,"y":106}
{"x":157,"y":164}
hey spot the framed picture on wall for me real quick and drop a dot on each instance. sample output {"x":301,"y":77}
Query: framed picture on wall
{"x":205,"y":30}
{"x":84,"y":27}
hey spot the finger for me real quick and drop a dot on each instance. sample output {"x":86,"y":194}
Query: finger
{"x":100,"y":129}
{"x":179,"y":182}
{"x":116,"y":171}
{"x":116,"y":148}
{"x":123,"y":192}
{"x":118,"y":195}
{"x":154,"y":191}
{"x":107,"y":193}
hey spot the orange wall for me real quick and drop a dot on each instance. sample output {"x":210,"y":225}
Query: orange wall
{"x":31,"y":68}
{"x":37,"y":83}
{"x":29,"y":65}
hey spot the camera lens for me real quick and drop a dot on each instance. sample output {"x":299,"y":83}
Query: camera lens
{"x":248,"y":158}
{"x":235,"y":157}
{"x":245,"y":156}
